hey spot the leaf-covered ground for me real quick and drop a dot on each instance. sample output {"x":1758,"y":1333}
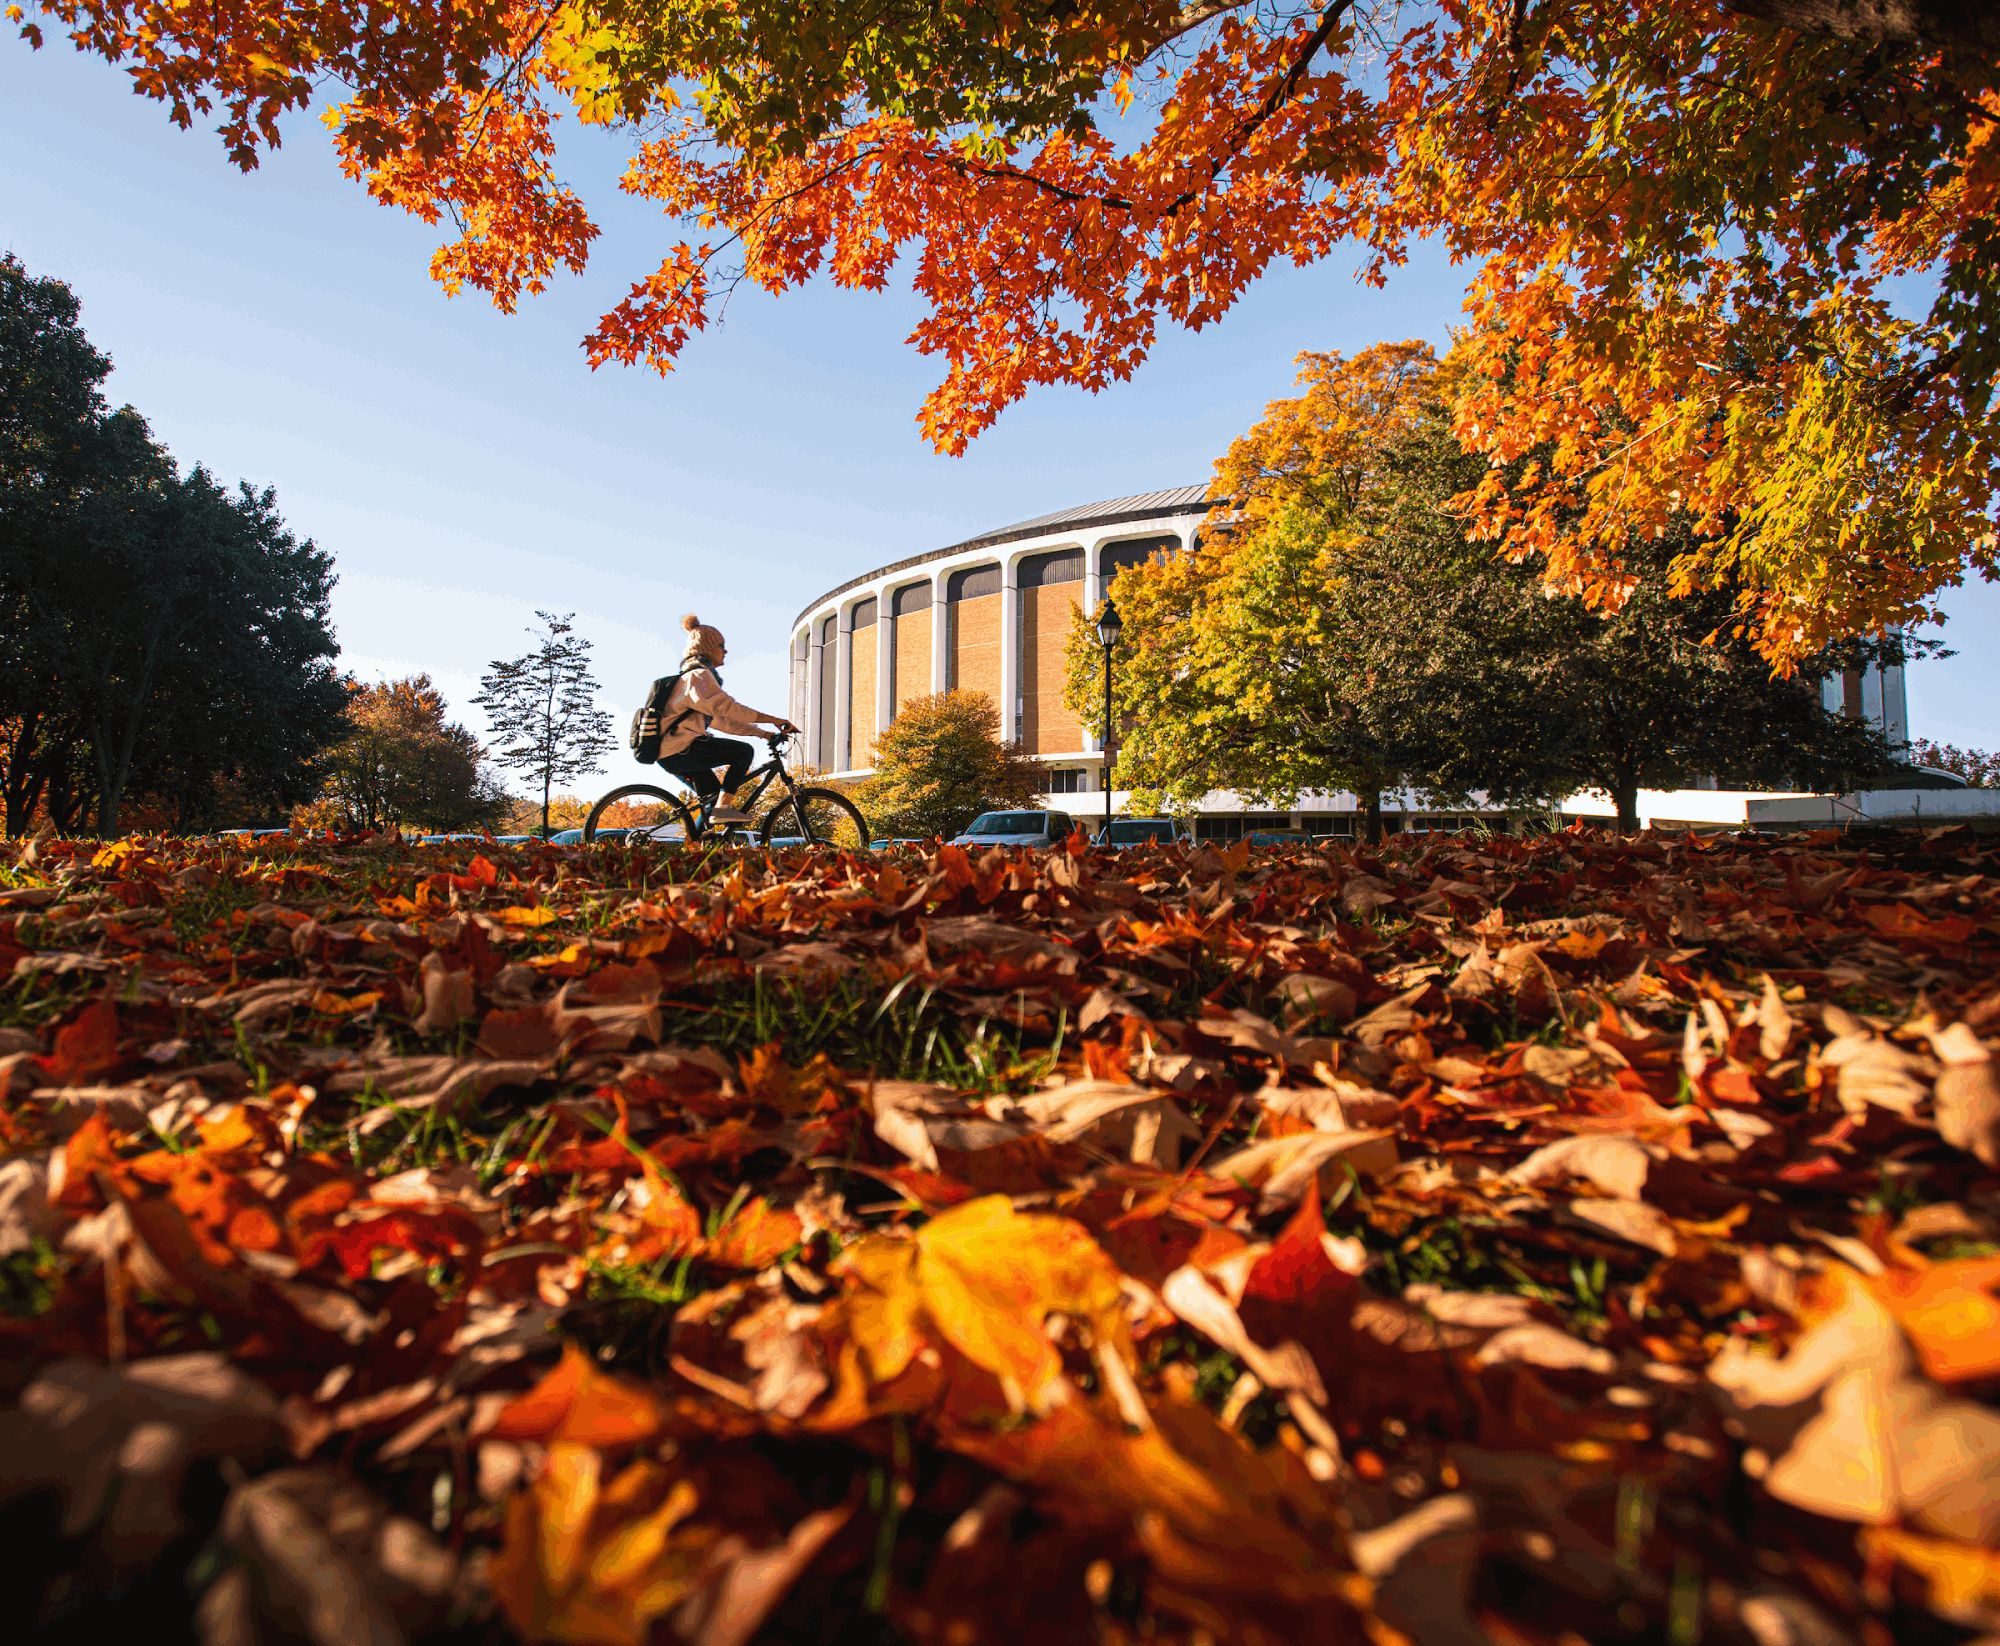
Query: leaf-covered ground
{"x":1556,"y":1240}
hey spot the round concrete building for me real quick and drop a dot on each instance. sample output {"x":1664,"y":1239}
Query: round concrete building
{"x":992,"y":615}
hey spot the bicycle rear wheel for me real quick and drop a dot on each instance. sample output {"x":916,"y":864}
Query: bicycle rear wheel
{"x":820,"y":817}
{"x":641,"y":794}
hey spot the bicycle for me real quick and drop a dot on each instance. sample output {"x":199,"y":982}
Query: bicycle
{"x":818,"y":817}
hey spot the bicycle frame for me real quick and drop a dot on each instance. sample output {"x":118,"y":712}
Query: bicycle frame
{"x":699,"y":823}
{"x":772,"y":771}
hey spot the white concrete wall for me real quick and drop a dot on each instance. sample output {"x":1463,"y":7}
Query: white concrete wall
{"x":1877,"y":806}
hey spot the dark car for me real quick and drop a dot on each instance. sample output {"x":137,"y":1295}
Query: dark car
{"x":1140,"y":831}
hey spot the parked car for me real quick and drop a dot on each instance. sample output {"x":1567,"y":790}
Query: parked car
{"x":884,"y":845}
{"x":1277,"y":837}
{"x":1140,"y":831}
{"x":1041,"y":830}
{"x":566,"y":837}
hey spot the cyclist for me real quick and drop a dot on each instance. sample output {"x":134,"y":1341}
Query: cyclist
{"x":691,"y":750}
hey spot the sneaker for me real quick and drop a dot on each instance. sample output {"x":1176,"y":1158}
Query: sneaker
{"x":728,"y":814}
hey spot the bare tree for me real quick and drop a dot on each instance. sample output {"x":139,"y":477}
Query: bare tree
{"x":543,"y":710}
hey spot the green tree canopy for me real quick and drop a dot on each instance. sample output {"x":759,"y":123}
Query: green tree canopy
{"x":158,"y":633}
{"x":940,"y":763}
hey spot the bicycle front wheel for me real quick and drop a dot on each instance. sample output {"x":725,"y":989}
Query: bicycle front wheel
{"x":674,"y":818}
{"x":817,"y":817}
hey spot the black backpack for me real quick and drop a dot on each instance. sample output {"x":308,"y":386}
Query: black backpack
{"x":644,"y":737}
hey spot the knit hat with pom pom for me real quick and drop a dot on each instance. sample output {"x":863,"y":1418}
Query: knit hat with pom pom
{"x":703,"y":642}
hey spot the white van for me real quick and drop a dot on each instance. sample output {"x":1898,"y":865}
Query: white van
{"x":1042,"y":830}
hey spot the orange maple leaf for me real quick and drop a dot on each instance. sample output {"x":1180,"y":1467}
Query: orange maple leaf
{"x":85,"y":1046}
{"x":576,"y":1404}
{"x":1950,"y":1314}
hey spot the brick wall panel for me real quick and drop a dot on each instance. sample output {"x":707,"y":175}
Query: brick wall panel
{"x":1047,"y":725}
{"x":913,"y":657}
{"x":861,"y":699}
{"x":975,"y":645}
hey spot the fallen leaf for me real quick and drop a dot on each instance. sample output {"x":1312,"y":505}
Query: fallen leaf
{"x":981,"y":1278}
{"x":86,"y":1046}
{"x":577,"y":1405}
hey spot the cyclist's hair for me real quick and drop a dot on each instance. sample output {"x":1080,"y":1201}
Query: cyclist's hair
{"x":703,"y":641}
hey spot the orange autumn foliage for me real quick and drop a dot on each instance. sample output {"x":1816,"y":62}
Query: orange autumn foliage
{"x":1687,"y":219}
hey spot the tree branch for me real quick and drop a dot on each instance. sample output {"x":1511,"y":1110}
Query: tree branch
{"x":1193,"y":16}
{"x":1279,"y":95}
{"x":1964,"y":25}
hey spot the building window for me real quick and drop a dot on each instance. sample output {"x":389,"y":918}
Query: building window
{"x":1068,"y":780}
{"x":1234,"y":826}
{"x":973,"y":583}
{"x":1040,"y":571}
{"x":1327,"y":823}
{"x":1119,"y":557}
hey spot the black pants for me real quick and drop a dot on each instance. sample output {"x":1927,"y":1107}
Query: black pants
{"x":695,"y":765}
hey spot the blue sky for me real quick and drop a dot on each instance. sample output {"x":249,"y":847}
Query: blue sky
{"x":466,"y":467}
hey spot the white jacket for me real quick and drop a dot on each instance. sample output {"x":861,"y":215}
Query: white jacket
{"x":702,"y":704}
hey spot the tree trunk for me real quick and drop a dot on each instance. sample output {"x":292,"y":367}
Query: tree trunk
{"x":1626,"y":796}
{"x":1371,"y":809}
{"x":548,"y":751}
{"x":64,"y":797}
{"x":27,"y":774}
{"x":112,"y":774}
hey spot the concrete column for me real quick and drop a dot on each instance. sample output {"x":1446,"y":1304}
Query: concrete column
{"x":1895,"y":705}
{"x":1010,"y":650}
{"x":885,"y":662}
{"x":1094,"y":589}
{"x":842,"y":689}
{"x":940,"y":634}
{"x":815,"y":684}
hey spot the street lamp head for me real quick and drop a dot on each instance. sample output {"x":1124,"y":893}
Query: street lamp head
{"x":1109,"y":626}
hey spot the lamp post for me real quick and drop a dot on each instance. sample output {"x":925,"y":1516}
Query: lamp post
{"x":1109,"y":627}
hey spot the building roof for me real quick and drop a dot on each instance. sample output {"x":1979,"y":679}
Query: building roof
{"x":1115,"y":511}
